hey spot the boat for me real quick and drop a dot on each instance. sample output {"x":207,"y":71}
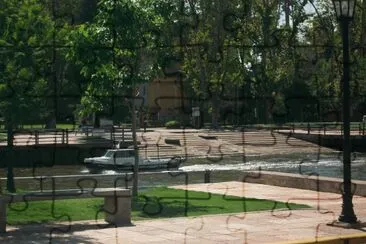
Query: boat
{"x":124,"y":159}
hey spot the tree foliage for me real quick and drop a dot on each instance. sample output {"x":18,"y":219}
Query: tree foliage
{"x":274,"y":61}
{"x":113,"y":53}
{"x":25,"y":33}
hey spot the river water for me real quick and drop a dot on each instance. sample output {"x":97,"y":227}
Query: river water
{"x":191,"y":171}
{"x":307,"y":164}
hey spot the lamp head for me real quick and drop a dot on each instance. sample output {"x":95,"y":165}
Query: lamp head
{"x":344,"y":9}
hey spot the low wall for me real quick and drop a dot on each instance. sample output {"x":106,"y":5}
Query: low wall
{"x":358,"y":142}
{"x":314,"y":183}
{"x":48,"y":155}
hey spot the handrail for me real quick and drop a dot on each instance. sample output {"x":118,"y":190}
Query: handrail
{"x":65,"y":136}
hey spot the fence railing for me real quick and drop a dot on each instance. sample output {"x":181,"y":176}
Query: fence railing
{"x":68,"y":136}
{"x":324,"y":128}
{"x":328,"y":128}
{"x":120,"y":134}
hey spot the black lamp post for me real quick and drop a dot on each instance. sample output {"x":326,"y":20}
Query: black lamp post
{"x":344,"y":10}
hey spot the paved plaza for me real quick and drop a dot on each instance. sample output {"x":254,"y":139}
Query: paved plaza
{"x":277,"y":226}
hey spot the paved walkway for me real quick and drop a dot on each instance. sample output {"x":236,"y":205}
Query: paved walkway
{"x":253,"y":142}
{"x":275,"y":226}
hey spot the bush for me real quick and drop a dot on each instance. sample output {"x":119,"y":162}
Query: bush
{"x":173,"y":124}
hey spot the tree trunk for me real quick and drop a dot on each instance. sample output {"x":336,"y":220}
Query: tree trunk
{"x":215,"y":110}
{"x":363,"y":28}
{"x":51,"y":122}
{"x":10,"y":185}
{"x":203,"y":89}
{"x":96,"y":122}
{"x":134,"y":138}
{"x":217,"y":49}
{"x":287,"y":13}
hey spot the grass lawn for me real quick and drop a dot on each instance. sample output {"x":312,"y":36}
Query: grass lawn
{"x":153,"y":203}
{"x":41,"y":126}
{"x":58,"y":126}
{"x":3,"y":136}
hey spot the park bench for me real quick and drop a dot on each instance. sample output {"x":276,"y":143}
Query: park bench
{"x":117,"y":202}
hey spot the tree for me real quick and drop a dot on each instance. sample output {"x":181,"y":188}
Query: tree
{"x":64,"y":83}
{"x":25,"y":31}
{"x":113,"y":54}
{"x":210,"y":57}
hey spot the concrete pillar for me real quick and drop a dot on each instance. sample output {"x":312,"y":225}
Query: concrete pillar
{"x":118,"y":210}
{"x":3,"y":205}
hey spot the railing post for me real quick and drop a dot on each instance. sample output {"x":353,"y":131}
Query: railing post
{"x":359,"y":128}
{"x":111,"y":133}
{"x":308,"y":128}
{"x":325,"y":128}
{"x":293,"y":127}
{"x":36,"y":139}
{"x":123,"y":134}
{"x":363,"y":128}
{"x":67,"y":136}
{"x":41,"y":183}
{"x":207,"y":176}
{"x":63,"y":136}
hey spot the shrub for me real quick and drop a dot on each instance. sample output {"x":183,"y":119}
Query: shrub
{"x":173,"y":124}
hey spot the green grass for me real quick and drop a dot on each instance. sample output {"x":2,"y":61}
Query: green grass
{"x":40,"y":126}
{"x":3,"y":136}
{"x":153,"y":203}
{"x":66,"y":126}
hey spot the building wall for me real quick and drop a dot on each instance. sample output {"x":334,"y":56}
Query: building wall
{"x":163,"y":98}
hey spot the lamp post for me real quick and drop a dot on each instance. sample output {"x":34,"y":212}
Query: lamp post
{"x":345,"y":10}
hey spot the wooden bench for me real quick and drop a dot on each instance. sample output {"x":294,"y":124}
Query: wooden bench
{"x":117,"y":202}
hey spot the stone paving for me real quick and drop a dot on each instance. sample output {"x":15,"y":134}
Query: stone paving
{"x":249,"y":143}
{"x":259,"y":227}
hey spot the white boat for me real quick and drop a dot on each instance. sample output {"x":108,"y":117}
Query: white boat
{"x":125,"y":159}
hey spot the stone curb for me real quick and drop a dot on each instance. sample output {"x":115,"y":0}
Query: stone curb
{"x":341,"y":239}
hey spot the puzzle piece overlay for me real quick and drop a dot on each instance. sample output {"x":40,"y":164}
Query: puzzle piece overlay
{"x":233,"y":147}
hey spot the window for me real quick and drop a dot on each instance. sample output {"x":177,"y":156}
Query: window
{"x":131,"y":153}
{"x":109,"y":154}
{"x":120,"y":154}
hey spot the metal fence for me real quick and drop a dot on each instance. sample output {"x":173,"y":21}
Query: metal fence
{"x":68,"y":136}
